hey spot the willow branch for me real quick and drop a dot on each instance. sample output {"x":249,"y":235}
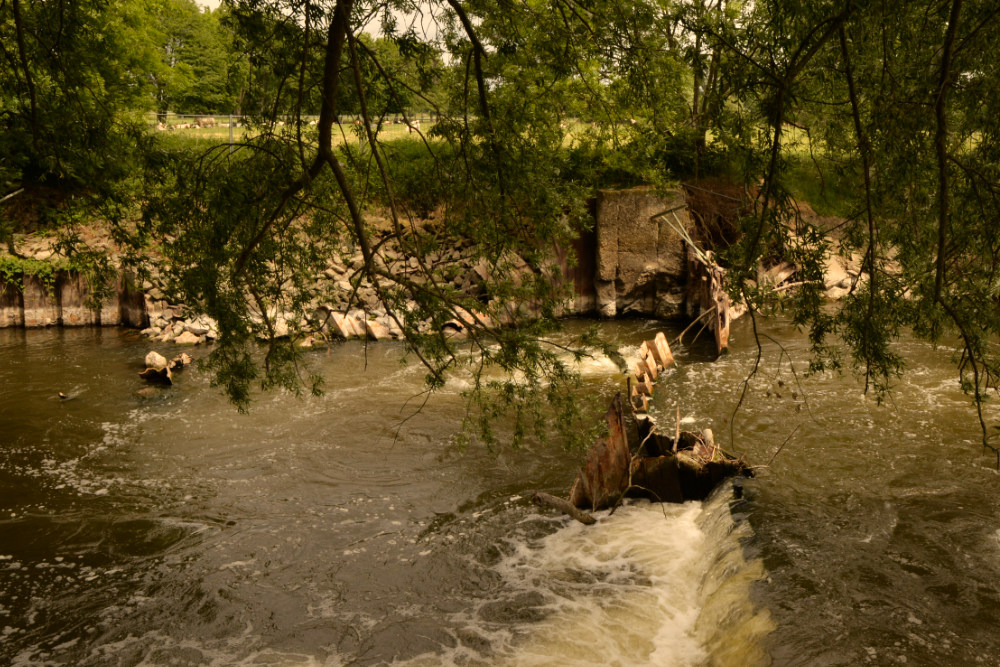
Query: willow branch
{"x":336,"y":34}
{"x":484,"y":107}
{"x":23,"y":53}
{"x":865,"y":149}
{"x":941,"y":144}
{"x":784,"y":83}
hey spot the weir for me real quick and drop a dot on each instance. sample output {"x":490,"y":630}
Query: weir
{"x":339,"y":529}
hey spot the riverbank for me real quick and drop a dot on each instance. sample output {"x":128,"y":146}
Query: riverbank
{"x":634,"y":261}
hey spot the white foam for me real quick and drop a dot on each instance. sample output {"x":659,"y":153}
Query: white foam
{"x":597,"y":365}
{"x":650,"y":585}
{"x":625,"y":591}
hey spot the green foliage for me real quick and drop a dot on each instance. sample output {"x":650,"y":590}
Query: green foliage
{"x":192,"y":76}
{"x":71,"y":76}
{"x":590,"y":161}
{"x":829,"y":186}
{"x":13,"y":270}
{"x":419,"y":175}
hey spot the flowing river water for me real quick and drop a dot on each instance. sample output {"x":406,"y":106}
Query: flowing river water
{"x":346,"y":529}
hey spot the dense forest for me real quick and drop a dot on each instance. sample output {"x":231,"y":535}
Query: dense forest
{"x":885,"y":113}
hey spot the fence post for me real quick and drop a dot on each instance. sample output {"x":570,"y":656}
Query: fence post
{"x":230,"y":134}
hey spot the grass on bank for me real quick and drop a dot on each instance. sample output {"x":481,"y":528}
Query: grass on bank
{"x":421,"y":180}
{"x":224,"y":133}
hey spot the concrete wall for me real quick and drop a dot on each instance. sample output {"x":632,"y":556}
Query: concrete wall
{"x":41,"y":307}
{"x":72,"y":292}
{"x":641,"y":259}
{"x":65,"y":303}
{"x":11,"y":306}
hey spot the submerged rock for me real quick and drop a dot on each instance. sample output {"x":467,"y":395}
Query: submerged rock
{"x":180,"y":361}
{"x":157,"y":375}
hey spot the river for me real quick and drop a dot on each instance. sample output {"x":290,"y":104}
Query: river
{"x":352,"y":529}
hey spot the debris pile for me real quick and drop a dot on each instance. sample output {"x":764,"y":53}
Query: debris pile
{"x":636,"y":460}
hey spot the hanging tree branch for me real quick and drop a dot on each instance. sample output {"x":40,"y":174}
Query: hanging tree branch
{"x":29,"y":83}
{"x":941,"y":144}
{"x":784,"y":82}
{"x":864,"y":148}
{"x":484,"y":107}
{"x":336,"y":35}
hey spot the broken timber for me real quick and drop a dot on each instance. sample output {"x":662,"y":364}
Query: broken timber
{"x":634,"y":460}
{"x":654,"y":357}
{"x":706,"y":294}
{"x":547,"y":500}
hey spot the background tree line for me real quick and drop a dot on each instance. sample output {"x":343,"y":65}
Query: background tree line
{"x":76,"y":77}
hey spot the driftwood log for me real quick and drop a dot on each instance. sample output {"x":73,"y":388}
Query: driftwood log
{"x":566,"y":507}
{"x":157,"y":375}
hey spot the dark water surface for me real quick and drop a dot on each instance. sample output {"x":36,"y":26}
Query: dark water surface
{"x":334,"y":531}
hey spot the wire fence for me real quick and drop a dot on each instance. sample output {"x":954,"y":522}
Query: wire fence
{"x":233,"y":127}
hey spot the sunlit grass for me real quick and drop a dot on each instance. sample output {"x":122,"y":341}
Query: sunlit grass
{"x":810,"y":173}
{"x":180,"y":135}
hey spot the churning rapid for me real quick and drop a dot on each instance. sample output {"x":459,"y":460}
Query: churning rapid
{"x":351,"y":529}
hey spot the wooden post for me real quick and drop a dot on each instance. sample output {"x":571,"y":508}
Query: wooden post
{"x":644,"y":369}
{"x":705,"y":289}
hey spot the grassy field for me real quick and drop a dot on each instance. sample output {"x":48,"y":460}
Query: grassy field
{"x":810,"y":174}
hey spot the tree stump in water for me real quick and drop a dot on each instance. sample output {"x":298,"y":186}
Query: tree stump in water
{"x":689,"y":473}
{"x":605,"y":474}
{"x":650,"y":467}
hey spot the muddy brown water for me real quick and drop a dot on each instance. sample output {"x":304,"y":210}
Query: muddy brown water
{"x":334,"y":531}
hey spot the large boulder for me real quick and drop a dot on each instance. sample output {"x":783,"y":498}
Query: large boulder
{"x":157,"y":369}
{"x":376,"y":330}
{"x":155,"y":360}
{"x":346,"y":326}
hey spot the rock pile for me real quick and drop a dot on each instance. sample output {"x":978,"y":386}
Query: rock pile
{"x":160,"y":371}
{"x":342,"y":304}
